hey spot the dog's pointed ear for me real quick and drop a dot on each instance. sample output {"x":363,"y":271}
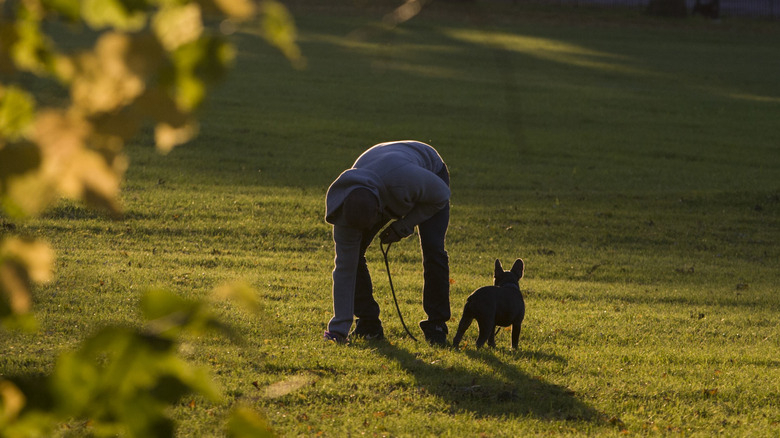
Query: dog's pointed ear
{"x":518,"y":268}
{"x":499,"y":269}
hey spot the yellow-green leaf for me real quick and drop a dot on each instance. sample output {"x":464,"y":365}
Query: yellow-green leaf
{"x":16,"y":160}
{"x":13,"y":400}
{"x":167,"y":136}
{"x":26,"y":194}
{"x":197,"y":65}
{"x":17,"y":109}
{"x":279,"y":30}
{"x":177,"y":25}
{"x":105,"y":79}
{"x":237,"y":9}
{"x":14,"y":288}
{"x":72,"y":169}
{"x":241,"y":293}
{"x":34,"y":256}
{"x":31,"y":49}
{"x":170,"y":315}
{"x":125,"y":15}
{"x":70,"y":9}
{"x":245,"y":422}
{"x":22,"y":263}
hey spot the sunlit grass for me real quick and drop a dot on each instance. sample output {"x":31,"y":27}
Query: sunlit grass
{"x":544,"y":48}
{"x":645,"y":206}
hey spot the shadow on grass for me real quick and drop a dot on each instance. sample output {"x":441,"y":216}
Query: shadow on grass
{"x":503,"y":390}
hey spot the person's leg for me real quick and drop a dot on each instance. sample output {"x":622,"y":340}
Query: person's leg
{"x":347,"y":248}
{"x":366,"y":308}
{"x":436,"y":273}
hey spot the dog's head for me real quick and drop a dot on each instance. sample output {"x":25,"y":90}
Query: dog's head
{"x":510,"y":277}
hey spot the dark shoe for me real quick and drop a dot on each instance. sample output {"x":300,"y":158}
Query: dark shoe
{"x":370,"y":331}
{"x":435,"y":334}
{"x":335,"y":338}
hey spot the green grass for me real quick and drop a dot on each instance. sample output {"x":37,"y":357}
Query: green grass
{"x":634,"y":163}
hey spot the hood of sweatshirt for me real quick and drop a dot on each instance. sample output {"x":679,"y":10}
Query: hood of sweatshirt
{"x":348,"y":181}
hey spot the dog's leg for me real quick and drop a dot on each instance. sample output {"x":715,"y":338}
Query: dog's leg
{"x":492,"y":339}
{"x":486,"y":326}
{"x":465,"y":322}
{"x":516,"y":332}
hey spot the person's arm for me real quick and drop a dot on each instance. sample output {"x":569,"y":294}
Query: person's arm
{"x":429,"y":194}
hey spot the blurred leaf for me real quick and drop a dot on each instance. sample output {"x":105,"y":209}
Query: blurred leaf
{"x":18,"y":322}
{"x":22,"y":263}
{"x":26,"y":194}
{"x":126,"y":15}
{"x":144,"y":422}
{"x":17,"y":417}
{"x":197,"y":65}
{"x":34,"y":256}
{"x":63,"y":68}
{"x":14,"y":288}
{"x":190,"y":91}
{"x":12,"y":401}
{"x":195,"y":379}
{"x":60,"y":136}
{"x":176,"y":25}
{"x":21,"y":190}
{"x":70,"y":9}
{"x":7,"y":39}
{"x":142,"y":54}
{"x":244,"y":422}
{"x":17,"y":159}
{"x":241,"y":293}
{"x":279,"y":30}
{"x":72,"y":169}
{"x":110,"y":131}
{"x":174,"y":126}
{"x":160,"y":105}
{"x":236,"y":9}
{"x":98,"y":182}
{"x":171,"y":315}
{"x":106,"y":79}
{"x":122,"y":377}
{"x":30,"y":49}
{"x":30,"y":424}
{"x":17,"y":109}
{"x":158,"y":304}
{"x":166,"y":136}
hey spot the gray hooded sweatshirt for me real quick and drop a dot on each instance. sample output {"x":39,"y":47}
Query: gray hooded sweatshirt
{"x":403,"y":177}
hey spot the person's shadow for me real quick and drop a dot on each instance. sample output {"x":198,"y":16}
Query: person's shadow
{"x":487,"y":387}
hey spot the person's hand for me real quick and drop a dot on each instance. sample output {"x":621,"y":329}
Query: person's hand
{"x":389,"y":235}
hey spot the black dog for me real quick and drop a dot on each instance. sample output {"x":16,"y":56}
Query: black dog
{"x":498,"y":305}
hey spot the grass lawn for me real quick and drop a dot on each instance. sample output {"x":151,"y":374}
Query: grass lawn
{"x":632,"y":162}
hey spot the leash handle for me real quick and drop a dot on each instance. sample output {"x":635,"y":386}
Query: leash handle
{"x":392,"y":289}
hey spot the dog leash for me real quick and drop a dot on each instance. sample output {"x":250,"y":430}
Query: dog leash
{"x":392,"y":289}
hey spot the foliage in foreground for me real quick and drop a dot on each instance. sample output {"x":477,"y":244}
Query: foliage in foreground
{"x":143,"y":62}
{"x":121,"y":380}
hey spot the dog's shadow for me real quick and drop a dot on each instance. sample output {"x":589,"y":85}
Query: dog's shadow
{"x":487,"y":387}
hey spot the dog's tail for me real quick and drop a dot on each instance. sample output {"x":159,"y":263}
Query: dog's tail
{"x":465,"y":322}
